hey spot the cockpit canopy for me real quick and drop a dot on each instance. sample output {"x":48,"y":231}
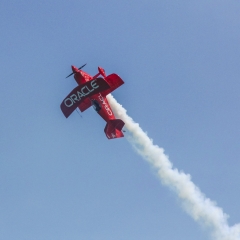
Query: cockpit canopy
{"x":96,"y":105}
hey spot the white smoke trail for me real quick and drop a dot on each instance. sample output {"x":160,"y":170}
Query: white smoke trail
{"x":200,"y":208}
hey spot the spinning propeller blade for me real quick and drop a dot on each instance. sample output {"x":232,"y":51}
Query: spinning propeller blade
{"x":82,"y":66}
{"x":78,"y":69}
{"x":70,"y":74}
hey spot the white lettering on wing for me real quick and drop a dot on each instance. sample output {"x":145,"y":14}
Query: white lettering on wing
{"x":89,"y":89}
{"x":94,"y":84}
{"x":68,"y":99}
{"x":74,"y":97}
{"x":82,"y":93}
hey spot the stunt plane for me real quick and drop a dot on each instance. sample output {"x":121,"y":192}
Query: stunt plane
{"x":92,"y":91}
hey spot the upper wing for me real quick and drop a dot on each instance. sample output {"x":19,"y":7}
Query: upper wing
{"x":114,"y":81}
{"x":81,"y":92}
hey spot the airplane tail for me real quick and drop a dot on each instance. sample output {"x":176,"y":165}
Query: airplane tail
{"x":113,"y":128}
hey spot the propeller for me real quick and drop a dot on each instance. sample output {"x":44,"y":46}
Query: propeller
{"x":78,"y":69}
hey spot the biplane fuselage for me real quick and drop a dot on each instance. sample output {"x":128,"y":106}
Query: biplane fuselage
{"x":92,"y":91}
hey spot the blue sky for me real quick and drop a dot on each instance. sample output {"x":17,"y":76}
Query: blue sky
{"x":62,"y":178}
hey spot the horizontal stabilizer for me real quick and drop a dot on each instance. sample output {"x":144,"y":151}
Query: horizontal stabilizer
{"x":113,"y":128}
{"x":81,"y":92}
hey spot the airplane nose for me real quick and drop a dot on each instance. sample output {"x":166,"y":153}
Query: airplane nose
{"x":74,"y":69}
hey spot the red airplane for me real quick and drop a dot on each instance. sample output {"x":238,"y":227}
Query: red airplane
{"x":92,"y":91}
